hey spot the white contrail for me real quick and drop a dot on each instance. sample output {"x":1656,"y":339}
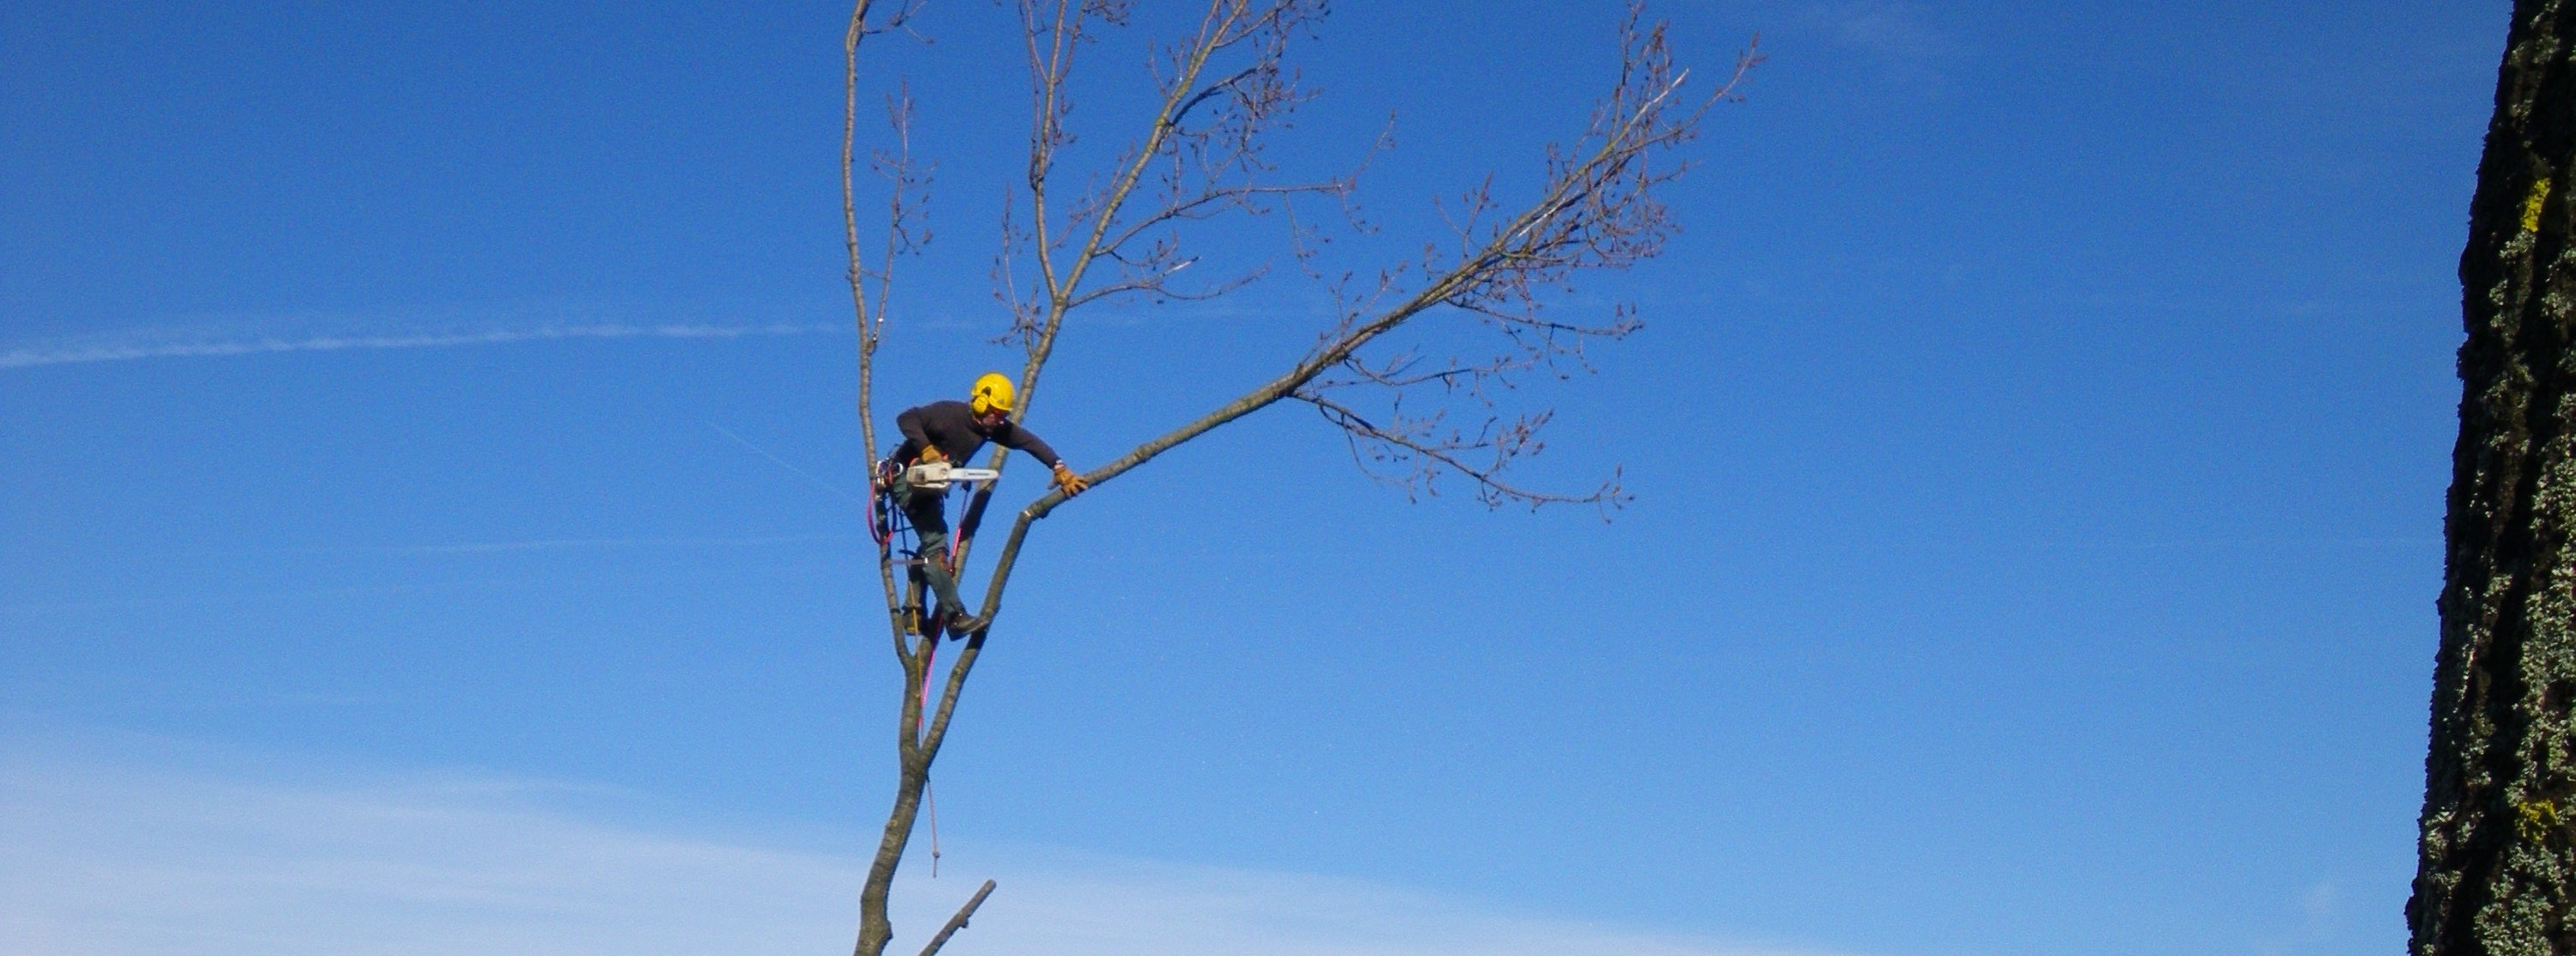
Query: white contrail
{"x":782,"y":463}
{"x":142,"y":347}
{"x":554,"y":544}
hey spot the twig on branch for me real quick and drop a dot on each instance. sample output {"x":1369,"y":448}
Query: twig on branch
{"x":1421,"y":445}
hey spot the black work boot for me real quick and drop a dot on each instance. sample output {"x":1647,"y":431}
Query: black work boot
{"x":962,"y":624}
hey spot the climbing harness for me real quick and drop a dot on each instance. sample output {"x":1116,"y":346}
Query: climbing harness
{"x":893,"y":530}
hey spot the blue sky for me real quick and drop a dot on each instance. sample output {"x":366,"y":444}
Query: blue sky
{"x":429,"y":459}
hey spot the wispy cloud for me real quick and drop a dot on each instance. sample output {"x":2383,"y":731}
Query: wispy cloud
{"x":1126,"y":907}
{"x":565,"y":544}
{"x":110,"y":863}
{"x":104,"y":860}
{"x":150,"y":343}
{"x":1900,"y":37}
{"x":167,"y":596}
{"x":2319,"y":911}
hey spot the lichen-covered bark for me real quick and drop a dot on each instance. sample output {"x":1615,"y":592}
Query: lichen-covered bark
{"x":2497,"y":859}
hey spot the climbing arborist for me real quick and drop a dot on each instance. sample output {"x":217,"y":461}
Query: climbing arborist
{"x":955,"y":431}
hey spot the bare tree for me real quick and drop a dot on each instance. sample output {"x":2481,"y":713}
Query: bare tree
{"x":1223,"y":89}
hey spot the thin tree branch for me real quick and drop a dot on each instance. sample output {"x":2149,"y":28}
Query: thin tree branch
{"x":1212,"y":89}
{"x":869,"y":322}
{"x":958,"y":921}
{"x":1188,"y":209}
{"x":1507,"y":443}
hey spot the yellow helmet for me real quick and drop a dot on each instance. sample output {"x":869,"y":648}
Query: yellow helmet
{"x":992,"y":393}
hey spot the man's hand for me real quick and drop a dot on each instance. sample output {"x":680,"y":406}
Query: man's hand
{"x":1067,"y":480}
{"x":929,"y":453}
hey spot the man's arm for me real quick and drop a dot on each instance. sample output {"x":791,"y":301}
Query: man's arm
{"x":1016,"y":437}
{"x":909,"y":422}
{"x":1022,"y":439}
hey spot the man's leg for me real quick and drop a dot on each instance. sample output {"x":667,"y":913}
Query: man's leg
{"x":928,"y":511}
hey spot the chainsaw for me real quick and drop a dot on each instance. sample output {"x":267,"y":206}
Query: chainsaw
{"x":936,"y":475}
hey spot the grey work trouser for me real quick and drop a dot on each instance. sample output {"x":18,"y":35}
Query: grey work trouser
{"x":928,"y":512}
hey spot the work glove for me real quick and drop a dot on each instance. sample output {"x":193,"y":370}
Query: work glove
{"x":929,"y":453}
{"x":1070,"y":482}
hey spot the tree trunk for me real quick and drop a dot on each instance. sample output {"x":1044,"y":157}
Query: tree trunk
{"x":875,"y":930}
{"x":2497,"y":858}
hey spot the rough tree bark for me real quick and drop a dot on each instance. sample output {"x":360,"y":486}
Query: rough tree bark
{"x":2497,"y":859}
{"x":1127,"y":235}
